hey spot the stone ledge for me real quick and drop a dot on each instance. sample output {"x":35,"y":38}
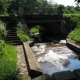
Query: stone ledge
{"x":75,"y":46}
{"x":65,"y":75}
{"x":33,"y":66}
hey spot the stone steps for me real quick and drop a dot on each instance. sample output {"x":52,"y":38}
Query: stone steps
{"x":12,"y":37}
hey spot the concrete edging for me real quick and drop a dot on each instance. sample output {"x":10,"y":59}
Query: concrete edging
{"x":33,"y":66}
{"x":75,"y":46}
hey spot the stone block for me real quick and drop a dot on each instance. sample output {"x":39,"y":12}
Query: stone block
{"x":77,"y":72}
{"x":65,"y":75}
{"x":33,"y":66}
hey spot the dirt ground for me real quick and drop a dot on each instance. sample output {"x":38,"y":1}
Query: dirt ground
{"x":22,"y":66}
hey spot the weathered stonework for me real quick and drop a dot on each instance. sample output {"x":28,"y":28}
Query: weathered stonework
{"x":75,"y":46}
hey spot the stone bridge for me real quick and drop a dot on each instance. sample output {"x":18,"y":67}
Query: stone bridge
{"x":50,"y":24}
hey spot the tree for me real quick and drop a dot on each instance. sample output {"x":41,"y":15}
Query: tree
{"x":4,"y":4}
{"x":69,"y":9}
{"x":78,"y":1}
{"x":77,"y":9}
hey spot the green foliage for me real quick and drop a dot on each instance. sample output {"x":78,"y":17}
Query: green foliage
{"x":4,"y":4}
{"x":21,"y":34}
{"x":73,"y":17}
{"x":36,"y":6}
{"x":1,"y":48}
{"x":75,"y":34}
{"x":5,"y":14}
{"x":23,"y":37}
{"x":3,"y":31}
{"x":35,"y":29}
{"x":8,"y":62}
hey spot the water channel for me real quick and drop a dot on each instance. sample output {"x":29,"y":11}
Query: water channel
{"x":55,"y":57}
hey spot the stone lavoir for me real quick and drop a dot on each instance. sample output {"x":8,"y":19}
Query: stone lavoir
{"x":54,"y":58}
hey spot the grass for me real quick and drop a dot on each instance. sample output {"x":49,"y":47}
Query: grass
{"x":75,"y":34}
{"x":21,"y":34}
{"x":8,"y":62}
{"x":8,"y":57}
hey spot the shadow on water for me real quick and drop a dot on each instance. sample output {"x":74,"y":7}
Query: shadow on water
{"x":42,"y":38}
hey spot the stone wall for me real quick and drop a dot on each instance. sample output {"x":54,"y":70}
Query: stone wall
{"x":75,"y":46}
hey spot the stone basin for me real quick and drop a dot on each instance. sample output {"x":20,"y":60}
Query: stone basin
{"x":55,"y":57}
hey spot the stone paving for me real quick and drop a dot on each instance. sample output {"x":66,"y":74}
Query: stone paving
{"x":23,"y":71}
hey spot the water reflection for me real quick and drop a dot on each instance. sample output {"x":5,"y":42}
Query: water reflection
{"x":55,"y":57}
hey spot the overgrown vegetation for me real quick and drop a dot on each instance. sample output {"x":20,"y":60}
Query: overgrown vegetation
{"x":5,"y":14}
{"x":8,"y":57}
{"x":35,"y":29}
{"x":73,"y":17}
{"x":8,"y":62}
{"x":21,"y":34}
{"x":3,"y":31}
{"x":36,"y":6}
{"x":75,"y":34}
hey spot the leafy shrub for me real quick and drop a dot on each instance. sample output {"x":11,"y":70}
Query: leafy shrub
{"x":21,"y":34}
{"x":19,"y":26}
{"x":74,"y":17}
{"x":8,"y":62}
{"x":75,"y":34}
{"x":3,"y":31}
{"x":23,"y":37}
{"x":35,"y":29}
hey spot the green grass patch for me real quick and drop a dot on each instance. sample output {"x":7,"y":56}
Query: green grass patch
{"x":35,"y":29}
{"x":21,"y":34}
{"x":8,"y":62}
{"x":75,"y":34}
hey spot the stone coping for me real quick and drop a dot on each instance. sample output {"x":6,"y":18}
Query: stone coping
{"x":75,"y":46}
{"x":33,"y":66}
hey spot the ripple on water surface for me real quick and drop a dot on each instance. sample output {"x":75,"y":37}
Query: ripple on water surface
{"x":55,"y":57}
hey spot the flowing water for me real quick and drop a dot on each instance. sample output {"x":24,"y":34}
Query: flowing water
{"x":55,"y":57}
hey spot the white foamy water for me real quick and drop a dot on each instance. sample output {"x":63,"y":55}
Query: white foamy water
{"x":55,"y":58}
{"x":39,"y":48}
